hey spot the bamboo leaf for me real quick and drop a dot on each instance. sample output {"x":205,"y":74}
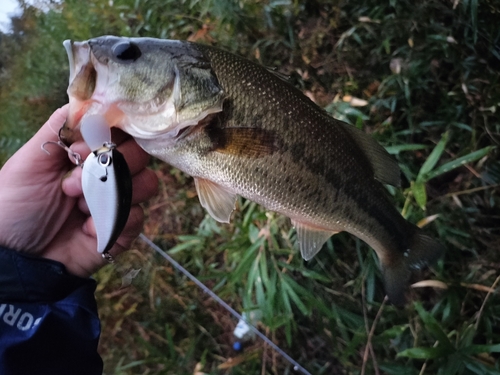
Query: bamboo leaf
{"x":478,"y":349}
{"x":247,"y":260}
{"x":469,"y":158}
{"x":395,"y":150}
{"x":434,"y":328}
{"x":433,"y":158}
{"x":288,"y":286}
{"x":186,"y":244}
{"x":424,"y":353}
{"x":418,"y":190}
{"x":478,"y":368}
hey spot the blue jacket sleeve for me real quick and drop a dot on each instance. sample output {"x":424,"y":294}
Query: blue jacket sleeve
{"x":48,"y":318}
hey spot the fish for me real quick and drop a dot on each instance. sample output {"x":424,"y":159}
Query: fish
{"x":239,"y":129}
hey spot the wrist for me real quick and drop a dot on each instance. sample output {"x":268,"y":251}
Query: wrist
{"x":27,"y":278}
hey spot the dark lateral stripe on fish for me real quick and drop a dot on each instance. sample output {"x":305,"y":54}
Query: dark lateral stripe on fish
{"x":343,"y":184}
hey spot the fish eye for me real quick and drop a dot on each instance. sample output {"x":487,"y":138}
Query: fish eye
{"x":126,"y":51}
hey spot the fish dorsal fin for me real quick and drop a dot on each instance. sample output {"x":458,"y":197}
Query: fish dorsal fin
{"x":311,"y":239}
{"x":218,"y":201}
{"x":384,"y":166}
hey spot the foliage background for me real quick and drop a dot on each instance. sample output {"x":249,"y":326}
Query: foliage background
{"x":421,"y":76}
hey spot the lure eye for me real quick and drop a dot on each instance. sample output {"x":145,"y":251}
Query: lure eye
{"x":104,"y":160}
{"x":126,"y":51}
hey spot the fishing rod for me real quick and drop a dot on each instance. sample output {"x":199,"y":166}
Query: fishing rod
{"x":296,"y":365}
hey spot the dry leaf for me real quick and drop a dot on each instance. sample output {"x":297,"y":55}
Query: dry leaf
{"x":481,"y":288}
{"x":395,"y":65}
{"x":198,"y":368}
{"x":427,"y":220}
{"x":357,"y":102}
{"x":430,"y":283}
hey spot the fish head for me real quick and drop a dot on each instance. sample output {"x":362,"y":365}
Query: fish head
{"x":147,"y":87}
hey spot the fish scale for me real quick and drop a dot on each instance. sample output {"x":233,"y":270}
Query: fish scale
{"x":240,"y":129}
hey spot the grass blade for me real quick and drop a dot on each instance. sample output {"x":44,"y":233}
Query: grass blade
{"x":396,"y":149}
{"x":469,"y":158}
{"x":432,"y":159}
{"x":424,"y":353}
{"x":435,"y":329}
{"x":418,"y":190}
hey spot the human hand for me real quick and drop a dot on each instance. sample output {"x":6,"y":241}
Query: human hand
{"x":42,"y":209}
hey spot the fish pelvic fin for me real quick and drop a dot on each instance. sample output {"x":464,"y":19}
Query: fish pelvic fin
{"x":422,"y":251}
{"x":217,"y":200}
{"x":311,"y":239}
{"x":385,"y":167}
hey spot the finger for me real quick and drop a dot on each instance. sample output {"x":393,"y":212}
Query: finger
{"x":81,"y":148}
{"x":83,"y":206}
{"x":72,"y":183}
{"x":41,"y":161}
{"x":144,"y":186}
{"x":50,"y":130}
{"x":136,"y":158}
{"x":118,"y":136}
{"x":132,"y":229}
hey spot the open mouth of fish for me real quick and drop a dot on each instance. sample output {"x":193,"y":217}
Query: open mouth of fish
{"x":88,"y":79}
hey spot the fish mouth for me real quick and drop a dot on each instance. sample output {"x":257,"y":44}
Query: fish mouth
{"x":84,"y":68}
{"x":82,"y":81}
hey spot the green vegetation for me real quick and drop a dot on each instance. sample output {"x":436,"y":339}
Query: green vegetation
{"x":421,"y":76}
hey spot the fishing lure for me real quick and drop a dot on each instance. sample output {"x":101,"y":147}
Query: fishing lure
{"x":106,"y":183}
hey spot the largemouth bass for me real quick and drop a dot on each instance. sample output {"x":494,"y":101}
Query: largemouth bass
{"x":239,"y":129}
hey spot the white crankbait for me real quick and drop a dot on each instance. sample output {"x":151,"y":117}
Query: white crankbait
{"x":106,"y":183}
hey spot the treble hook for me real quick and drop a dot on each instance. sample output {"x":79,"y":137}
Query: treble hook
{"x":77,"y":159}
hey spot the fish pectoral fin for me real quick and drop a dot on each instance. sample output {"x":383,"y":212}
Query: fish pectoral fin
{"x":217,"y":200}
{"x":245,"y":142}
{"x":311,"y":239}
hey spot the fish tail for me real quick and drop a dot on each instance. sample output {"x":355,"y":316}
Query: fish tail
{"x":421,"y":251}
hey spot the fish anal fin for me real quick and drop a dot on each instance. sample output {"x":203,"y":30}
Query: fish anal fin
{"x":385,"y":167}
{"x":311,"y":239}
{"x":245,"y":142}
{"x":217,"y":200}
